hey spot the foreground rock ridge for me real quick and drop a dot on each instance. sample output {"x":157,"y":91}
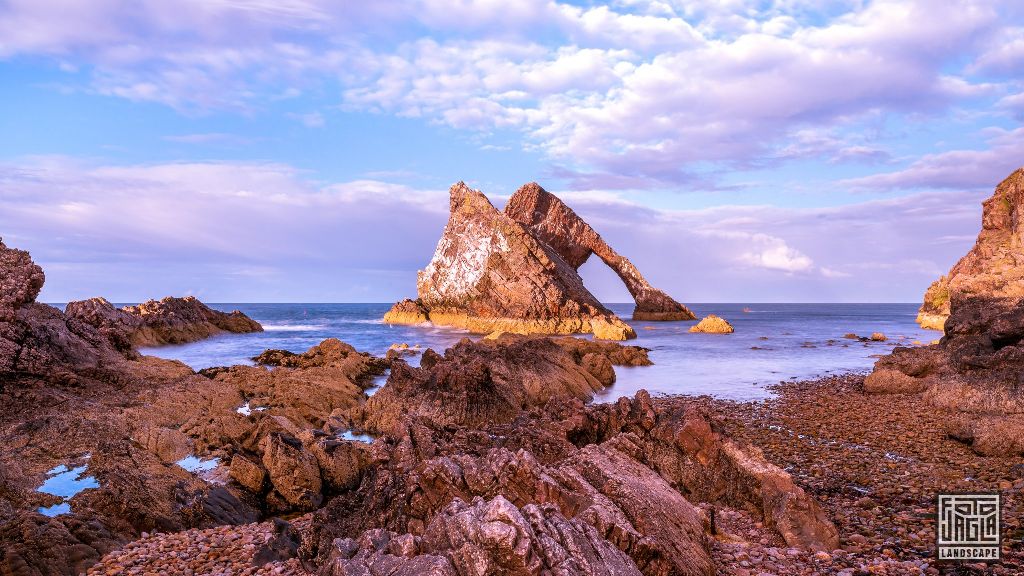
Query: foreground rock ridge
{"x":158,"y":322}
{"x":557,"y":225}
{"x":976,"y":370}
{"x":482,"y":460}
{"x":490,"y":273}
{"x":994,"y":267}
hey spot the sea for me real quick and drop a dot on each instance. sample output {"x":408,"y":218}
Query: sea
{"x":772,"y":343}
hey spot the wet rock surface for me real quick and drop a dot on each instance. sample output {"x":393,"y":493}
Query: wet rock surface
{"x":492,"y":273}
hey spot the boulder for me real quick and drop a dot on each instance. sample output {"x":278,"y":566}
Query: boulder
{"x":600,"y":367}
{"x":491,"y":273}
{"x":712,"y":324}
{"x":889,"y":381}
{"x":249,"y":473}
{"x":557,"y":225}
{"x":293,"y":471}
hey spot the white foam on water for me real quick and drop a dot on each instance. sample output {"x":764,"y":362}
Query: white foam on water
{"x":292,"y":327}
{"x":246,"y":410}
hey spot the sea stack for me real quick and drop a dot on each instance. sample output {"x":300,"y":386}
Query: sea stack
{"x":554,"y":223}
{"x":492,"y":273}
{"x":994,"y":267}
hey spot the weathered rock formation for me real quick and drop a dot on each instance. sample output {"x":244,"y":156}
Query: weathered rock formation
{"x":976,"y":371}
{"x":554,"y":223}
{"x":613,"y":477}
{"x":491,"y":273}
{"x":712,"y":324}
{"x":994,"y":267}
{"x":155,"y":323}
{"x":487,"y":459}
{"x":489,"y":381}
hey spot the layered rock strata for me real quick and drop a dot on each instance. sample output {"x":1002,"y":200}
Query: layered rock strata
{"x":554,"y":223}
{"x":994,"y":267}
{"x":491,"y":273}
{"x":977,"y":368}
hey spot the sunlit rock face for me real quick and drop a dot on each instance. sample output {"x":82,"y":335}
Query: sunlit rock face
{"x":557,"y":225}
{"x":491,"y":273}
{"x":994,"y":267}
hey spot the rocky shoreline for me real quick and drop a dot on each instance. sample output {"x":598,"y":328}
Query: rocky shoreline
{"x":875,"y":472}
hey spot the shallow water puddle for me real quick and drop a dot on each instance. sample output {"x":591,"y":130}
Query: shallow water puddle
{"x":195,"y":465}
{"x":352,"y":436}
{"x":66,"y":483}
{"x":378,"y":383}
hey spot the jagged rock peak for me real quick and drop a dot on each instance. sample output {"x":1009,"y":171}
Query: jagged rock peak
{"x":556,"y":224}
{"x":994,"y":267}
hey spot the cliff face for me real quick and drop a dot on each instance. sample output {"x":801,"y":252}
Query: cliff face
{"x":976,"y":371}
{"x":558,"y":226}
{"x":994,"y":267}
{"x":490,"y":273}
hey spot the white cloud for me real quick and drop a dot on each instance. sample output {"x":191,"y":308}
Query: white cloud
{"x":956,"y":168}
{"x":634,"y":92}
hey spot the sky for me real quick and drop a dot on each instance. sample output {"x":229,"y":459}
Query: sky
{"x":301,"y":150}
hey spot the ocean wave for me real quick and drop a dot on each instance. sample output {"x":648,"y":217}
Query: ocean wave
{"x":292,"y":327}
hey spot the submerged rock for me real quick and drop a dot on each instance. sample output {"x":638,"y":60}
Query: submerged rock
{"x":557,"y":225}
{"x":712,"y":324}
{"x":994,"y":267}
{"x":491,"y":273}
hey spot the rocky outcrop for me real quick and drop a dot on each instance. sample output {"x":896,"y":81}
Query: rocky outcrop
{"x":557,"y":225}
{"x":476,"y":383}
{"x":627,"y":473}
{"x":38,"y":340}
{"x":116,"y":325}
{"x":994,"y":267}
{"x":407,"y":312}
{"x":155,"y":323}
{"x":491,"y":273}
{"x":712,"y":324}
{"x":976,"y":371}
{"x":181,"y":320}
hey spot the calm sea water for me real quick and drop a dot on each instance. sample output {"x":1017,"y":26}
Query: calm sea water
{"x":792,"y":341}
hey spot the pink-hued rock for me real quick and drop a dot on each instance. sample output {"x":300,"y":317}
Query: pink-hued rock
{"x":976,"y":368}
{"x":490,"y":273}
{"x":180,"y":320}
{"x":557,"y":225}
{"x":994,"y":267}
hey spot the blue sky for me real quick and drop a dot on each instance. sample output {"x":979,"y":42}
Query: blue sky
{"x":300,"y":150}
